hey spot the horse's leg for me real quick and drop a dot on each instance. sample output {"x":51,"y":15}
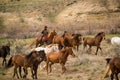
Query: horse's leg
{"x":96,"y":50}
{"x":20,"y":71}
{"x":89,"y":49}
{"x":47,"y":64}
{"x":63,"y":67}
{"x":116,"y":75}
{"x":84,"y":46}
{"x":50,"y":66}
{"x":26,"y":72}
{"x":32,"y":72}
{"x":112,"y":76}
{"x":35,"y":71}
{"x":15,"y":72}
{"x":100,"y":49}
{"x":4,"y":62}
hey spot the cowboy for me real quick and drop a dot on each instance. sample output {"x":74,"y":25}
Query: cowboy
{"x":44,"y":34}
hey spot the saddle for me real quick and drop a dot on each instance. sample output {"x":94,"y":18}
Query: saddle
{"x":45,"y":38}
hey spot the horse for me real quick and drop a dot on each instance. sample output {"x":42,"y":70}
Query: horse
{"x":78,"y":39}
{"x":39,"y":42}
{"x":32,"y":60}
{"x":47,"y":49}
{"x":114,"y":67}
{"x":67,"y":40}
{"x":115,"y":41}
{"x":58,"y":57}
{"x":94,"y":41}
{"x":4,"y":51}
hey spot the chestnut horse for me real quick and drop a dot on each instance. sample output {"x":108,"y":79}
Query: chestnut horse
{"x":31,"y":60}
{"x":114,"y":67}
{"x":58,"y":57}
{"x":67,"y":40}
{"x":39,"y":42}
{"x":94,"y":41}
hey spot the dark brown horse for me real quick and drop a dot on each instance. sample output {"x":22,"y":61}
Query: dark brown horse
{"x":94,"y":41}
{"x":31,"y":60}
{"x":78,"y":39}
{"x":39,"y":42}
{"x":58,"y":57}
{"x":4,"y":51}
{"x":114,"y":67}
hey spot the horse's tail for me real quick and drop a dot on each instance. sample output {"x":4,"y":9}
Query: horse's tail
{"x":34,"y":41}
{"x":9,"y":63}
{"x":106,"y":71}
{"x":108,"y":68}
{"x":84,"y":38}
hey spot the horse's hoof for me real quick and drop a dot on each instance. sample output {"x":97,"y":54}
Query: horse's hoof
{"x":24,"y":76}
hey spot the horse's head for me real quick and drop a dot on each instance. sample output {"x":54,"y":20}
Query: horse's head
{"x":42,"y":55}
{"x":52,"y":34}
{"x":34,"y":57}
{"x":6,"y":49}
{"x":77,"y":38}
{"x":101,"y":34}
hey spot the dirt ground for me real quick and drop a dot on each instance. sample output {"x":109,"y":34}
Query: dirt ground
{"x":86,"y":66}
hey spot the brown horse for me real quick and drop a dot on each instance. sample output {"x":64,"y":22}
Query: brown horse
{"x":31,"y":60}
{"x":67,"y":40}
{"x":78,"y":39}
{"x":114,"y":67}
{"x":94,"y":41}
{"x":58,"y":57}
{"x":39,"y":42}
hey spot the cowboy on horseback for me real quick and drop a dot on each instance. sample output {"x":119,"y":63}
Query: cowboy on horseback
{"x":44,"y":34}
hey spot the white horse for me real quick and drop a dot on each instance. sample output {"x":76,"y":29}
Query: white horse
{"x":115,"y":40}
{"x":47,"y":49}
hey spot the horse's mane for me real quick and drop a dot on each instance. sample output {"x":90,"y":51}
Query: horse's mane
{"x":63,"y":50}
{"x":76,"y":37}
{"x":99,"y":34}
{"x":50,"y":33}
{"x":30,"y":54}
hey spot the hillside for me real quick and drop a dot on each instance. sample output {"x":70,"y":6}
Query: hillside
{"x":21,"y":17}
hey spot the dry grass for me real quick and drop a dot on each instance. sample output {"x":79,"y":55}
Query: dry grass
{"x":84,"y":67}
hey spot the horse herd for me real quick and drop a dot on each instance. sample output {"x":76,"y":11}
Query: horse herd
{"x":57,"y":51}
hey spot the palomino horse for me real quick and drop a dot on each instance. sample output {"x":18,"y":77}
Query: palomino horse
{"x":114,"y":66}
{"x":4,"y":51}
{"x":31,"y":60}
{"x":58,"y":57}
{"x":39,"y":42}
{"x":115,"y":41}
{"x":94,"y":41}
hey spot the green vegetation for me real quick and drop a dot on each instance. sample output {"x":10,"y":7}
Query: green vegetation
{"x":2,"y":26}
